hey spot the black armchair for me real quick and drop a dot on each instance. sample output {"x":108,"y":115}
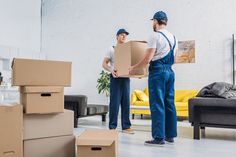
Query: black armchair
{"x":211,"y":112}
{"x":78,"y":103}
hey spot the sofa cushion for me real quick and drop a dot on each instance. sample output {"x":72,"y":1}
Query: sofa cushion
{"x":145,"y":112}
{"x":182,"y":113}
{"x":146,"y":91}
{"x":214,"y":102}
{"x":141,"y":95}
{"x":184,"y":95}
{"x":213,"y":110}
{"x":181,"y":106}
{"x":189,"y":95}
{"x":133,"y":98}
{"x":141,"y":103}
{"x":96,"y":109}
{"x":179,"y":95}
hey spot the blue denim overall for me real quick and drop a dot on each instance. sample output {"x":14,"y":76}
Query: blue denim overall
{"x":119,"y":95}
{"x":161,"y":95}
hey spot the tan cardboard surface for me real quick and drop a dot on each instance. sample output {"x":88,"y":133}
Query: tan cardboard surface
{"x":27,"y":72}
{"x":97,"y":142}
{"x":129,"y":54}
{"x":42,"y":100}
{"x":123,"y":58}
{"x":62,"y":146}
{"x":11,"y":130}
{"x":48,"y":125}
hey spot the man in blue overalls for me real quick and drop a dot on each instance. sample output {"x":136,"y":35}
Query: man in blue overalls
{"x":119,"y":89}
{"x":160,"y":57}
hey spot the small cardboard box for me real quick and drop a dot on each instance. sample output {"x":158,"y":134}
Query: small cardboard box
{"x":42,"y":99}
{"x":48,"y":125}
{"x":99,"y":143}
{"x":62,"y":146}
{"x":26,"y":72}
{"x":129,"y":54}
{"x":11,"y":130}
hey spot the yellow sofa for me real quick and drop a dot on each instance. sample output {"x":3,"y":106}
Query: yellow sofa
{"x":140,"y":98}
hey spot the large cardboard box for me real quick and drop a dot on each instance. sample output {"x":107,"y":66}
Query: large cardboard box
{"x":11,"y":130}
{"x":62,"y":146}
{"x":48,"y":125}
{"x":129,"y":54}
{"x":26,"y":72}
{"x":42,"y":99}
{"x":99,"y":143}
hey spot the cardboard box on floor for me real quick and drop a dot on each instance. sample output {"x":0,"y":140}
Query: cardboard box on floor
{"x":62,"y":146}
{"x":99,"y":143}
{"x":11,"y":130}
{"x":129,"y":54}
{"x":48,"y":125}
{"x":26,"y":72}
{"x":42,"y":99}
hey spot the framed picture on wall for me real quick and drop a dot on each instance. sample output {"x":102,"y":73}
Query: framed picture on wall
{"x":185,"y":52}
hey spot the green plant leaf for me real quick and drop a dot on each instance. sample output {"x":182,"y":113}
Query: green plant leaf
{"x":103,"y":83}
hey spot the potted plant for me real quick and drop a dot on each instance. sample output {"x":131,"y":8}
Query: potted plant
{"x":103,"y":83}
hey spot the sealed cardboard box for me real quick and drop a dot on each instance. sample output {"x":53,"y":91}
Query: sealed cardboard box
{"x":62,"y":146}
{"x":11,"y":130}
{"x":42,"y":99}
{"x":97,"y":143}
{"x":129,"y":54}
{"x":48,"y":125}
{"x":26,"y":72}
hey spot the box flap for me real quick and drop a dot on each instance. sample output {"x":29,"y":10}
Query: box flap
{"x":84,"y":142}
{"x":97,"y":137}
{"x":41,"y":89}
{"x":141,"y":41}
{"x":8,"y":105}
{"x":99,"y":134}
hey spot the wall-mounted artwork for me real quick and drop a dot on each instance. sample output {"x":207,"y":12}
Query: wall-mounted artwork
{"x":185,"y":52}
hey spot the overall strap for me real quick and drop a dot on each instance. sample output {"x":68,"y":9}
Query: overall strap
{"x":174,"y":43}
{"x":168,"y":40}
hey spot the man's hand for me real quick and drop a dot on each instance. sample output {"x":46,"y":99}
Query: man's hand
{"x":114,"y":73}
{"x":132,"y":71}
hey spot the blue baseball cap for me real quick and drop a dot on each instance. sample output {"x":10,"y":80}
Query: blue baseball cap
{"x":122,"y":30}
{"x":160,"y":16}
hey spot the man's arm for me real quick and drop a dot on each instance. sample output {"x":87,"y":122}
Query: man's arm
{"x":145,"y":61}
{"x":105,"y":64}
{"x":107,"y":67}
{"x":150,"y":52}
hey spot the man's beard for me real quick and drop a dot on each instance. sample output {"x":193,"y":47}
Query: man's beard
{"x":154,"y":28}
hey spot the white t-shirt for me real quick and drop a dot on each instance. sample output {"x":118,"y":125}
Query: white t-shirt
{"x":159,"y":42}
{"x":110,"y":55}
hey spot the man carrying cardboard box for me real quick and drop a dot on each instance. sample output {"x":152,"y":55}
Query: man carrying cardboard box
{"x":119,"y":89}
{"x":160,"y":54}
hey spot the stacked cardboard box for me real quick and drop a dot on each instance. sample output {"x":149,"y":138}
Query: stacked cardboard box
{"x":99,"y":143}
{"x":48,"y":129}
{"x":48,"y":135}
{"x":11,"y":130}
